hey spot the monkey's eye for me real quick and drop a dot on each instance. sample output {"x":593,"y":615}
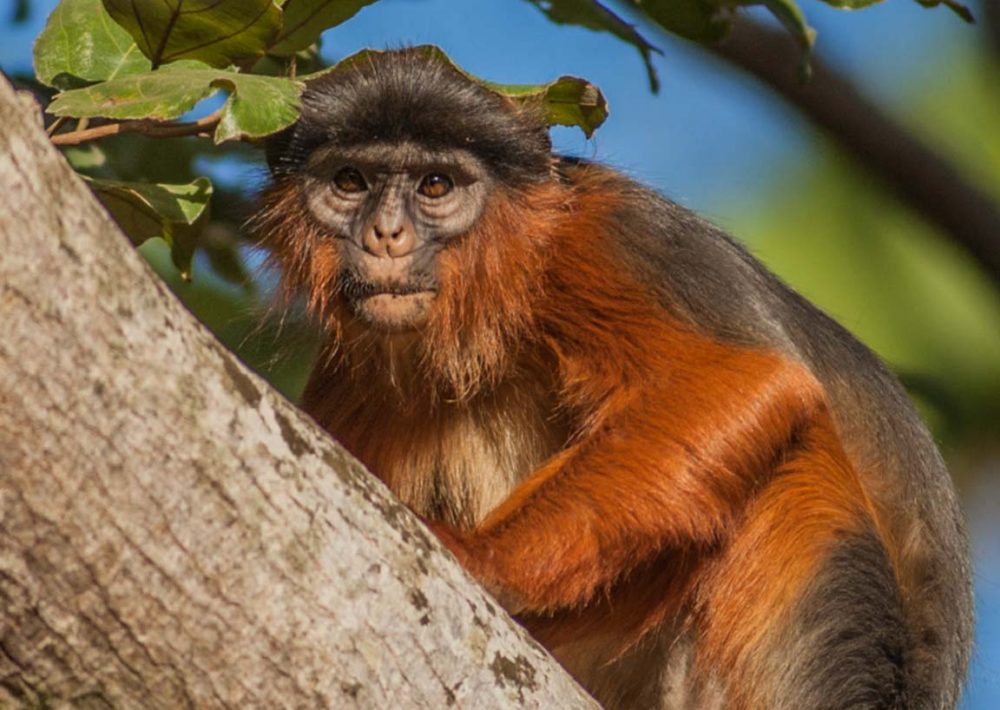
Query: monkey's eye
{"x":350,"y":180}
{"x":435,"y":185}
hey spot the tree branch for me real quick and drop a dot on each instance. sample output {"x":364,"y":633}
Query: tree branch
{"x":990,"y":21}
{"x":155,"y":129}
{"x":925,"y":181}
{"x":173,"y":533}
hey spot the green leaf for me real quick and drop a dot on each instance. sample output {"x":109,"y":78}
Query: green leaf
{"x":147,"y":210}
{"x":162,"y":94}
{"x":788,"y":13}
{"x":217,"y":32}
{"x":221,"y":244}
{"x":86,"y":158}
{"x":595,"y":16}
{"x":81,"y":45}
{"x":958,"y":8}
{"x":851,"y":4}
{"x":257,"y":105}
{"x":304,"y":20}
{"x":701,"y":20}
{"x":22,"y":12}
{"x":306,"y":60}
{"x":567,"y":101}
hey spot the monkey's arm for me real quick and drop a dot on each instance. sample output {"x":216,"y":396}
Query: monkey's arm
{"x":660,"y":467}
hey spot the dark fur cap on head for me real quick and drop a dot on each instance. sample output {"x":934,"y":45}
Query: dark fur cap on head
{"x":410,"y":95}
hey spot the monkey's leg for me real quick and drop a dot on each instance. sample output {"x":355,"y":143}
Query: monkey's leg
{"x":802,"y":609}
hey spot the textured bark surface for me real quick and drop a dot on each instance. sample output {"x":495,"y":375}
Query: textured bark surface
{"x":175,"y":534}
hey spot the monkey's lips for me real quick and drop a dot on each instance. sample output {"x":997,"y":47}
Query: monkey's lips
{"x":393,"y":308}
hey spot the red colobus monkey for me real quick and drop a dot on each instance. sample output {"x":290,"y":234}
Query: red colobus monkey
{"x":692,"y":486}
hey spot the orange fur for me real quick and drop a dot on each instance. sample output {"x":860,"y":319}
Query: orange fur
{"x":814,"y":499}
{"x":676,"y":434}
{"x":604,"y":466}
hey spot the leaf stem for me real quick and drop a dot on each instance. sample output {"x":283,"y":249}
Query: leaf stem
{"x":146,"y":127}
{"x":57,"y":124}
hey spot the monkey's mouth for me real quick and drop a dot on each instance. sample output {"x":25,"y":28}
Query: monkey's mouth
{"x":360,"y":290}
{"x":390,"y":306}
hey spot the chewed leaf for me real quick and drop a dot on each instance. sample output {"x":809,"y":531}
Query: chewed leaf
{"x":304,"y":20}
{"x":217,"y":32}
{"x":567,"y":101}
{"x":595,"y":16}
{"x":257,"y":106}
{"x":81,"y":45}
{"x":147,"y":210}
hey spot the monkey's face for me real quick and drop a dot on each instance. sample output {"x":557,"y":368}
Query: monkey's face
{"x":397,"y":212}
{"x":391,"y":210}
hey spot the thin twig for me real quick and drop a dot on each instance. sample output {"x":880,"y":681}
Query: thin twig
{"x":155,"y":129}
{"x":57,"y":124}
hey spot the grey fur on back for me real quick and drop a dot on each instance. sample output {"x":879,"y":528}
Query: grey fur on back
{"x":703,"y":276}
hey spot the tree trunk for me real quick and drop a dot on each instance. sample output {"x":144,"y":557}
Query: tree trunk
{"x":175,"y":534}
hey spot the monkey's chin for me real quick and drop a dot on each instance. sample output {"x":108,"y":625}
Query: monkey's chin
{"x":394,"y":311}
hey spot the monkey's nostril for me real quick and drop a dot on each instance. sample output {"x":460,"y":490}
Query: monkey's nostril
{"x":399,"y":242}
{"x":393,"y":234}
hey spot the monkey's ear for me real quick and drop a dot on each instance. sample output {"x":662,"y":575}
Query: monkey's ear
{"x":277,"y":148}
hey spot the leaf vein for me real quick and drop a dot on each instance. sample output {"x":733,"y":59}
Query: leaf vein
{"x":221,"y":38}
{"x":319,"y":8}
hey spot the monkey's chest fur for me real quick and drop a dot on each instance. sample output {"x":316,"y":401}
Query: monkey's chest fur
{"x":456,"y":461}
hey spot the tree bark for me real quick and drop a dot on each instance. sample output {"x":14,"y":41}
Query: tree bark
{"x":175,"y":534}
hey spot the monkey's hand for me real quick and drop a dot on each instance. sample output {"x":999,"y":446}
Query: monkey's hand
{"x":479,"y":564}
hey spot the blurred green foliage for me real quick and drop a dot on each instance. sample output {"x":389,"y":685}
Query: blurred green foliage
{"x":908,"y":292}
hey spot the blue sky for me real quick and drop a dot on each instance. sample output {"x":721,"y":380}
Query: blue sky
{"x":710,"y":135}
{"x":711,"y":139}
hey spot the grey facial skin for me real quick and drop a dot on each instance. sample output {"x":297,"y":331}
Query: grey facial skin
{"x":392,"y":209}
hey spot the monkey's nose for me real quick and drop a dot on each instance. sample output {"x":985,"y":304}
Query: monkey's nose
{"x":386,"y":243}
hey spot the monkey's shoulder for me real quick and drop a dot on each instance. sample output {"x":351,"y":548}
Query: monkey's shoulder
{"x":706,"y":278}
{"x":697,"y":271}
